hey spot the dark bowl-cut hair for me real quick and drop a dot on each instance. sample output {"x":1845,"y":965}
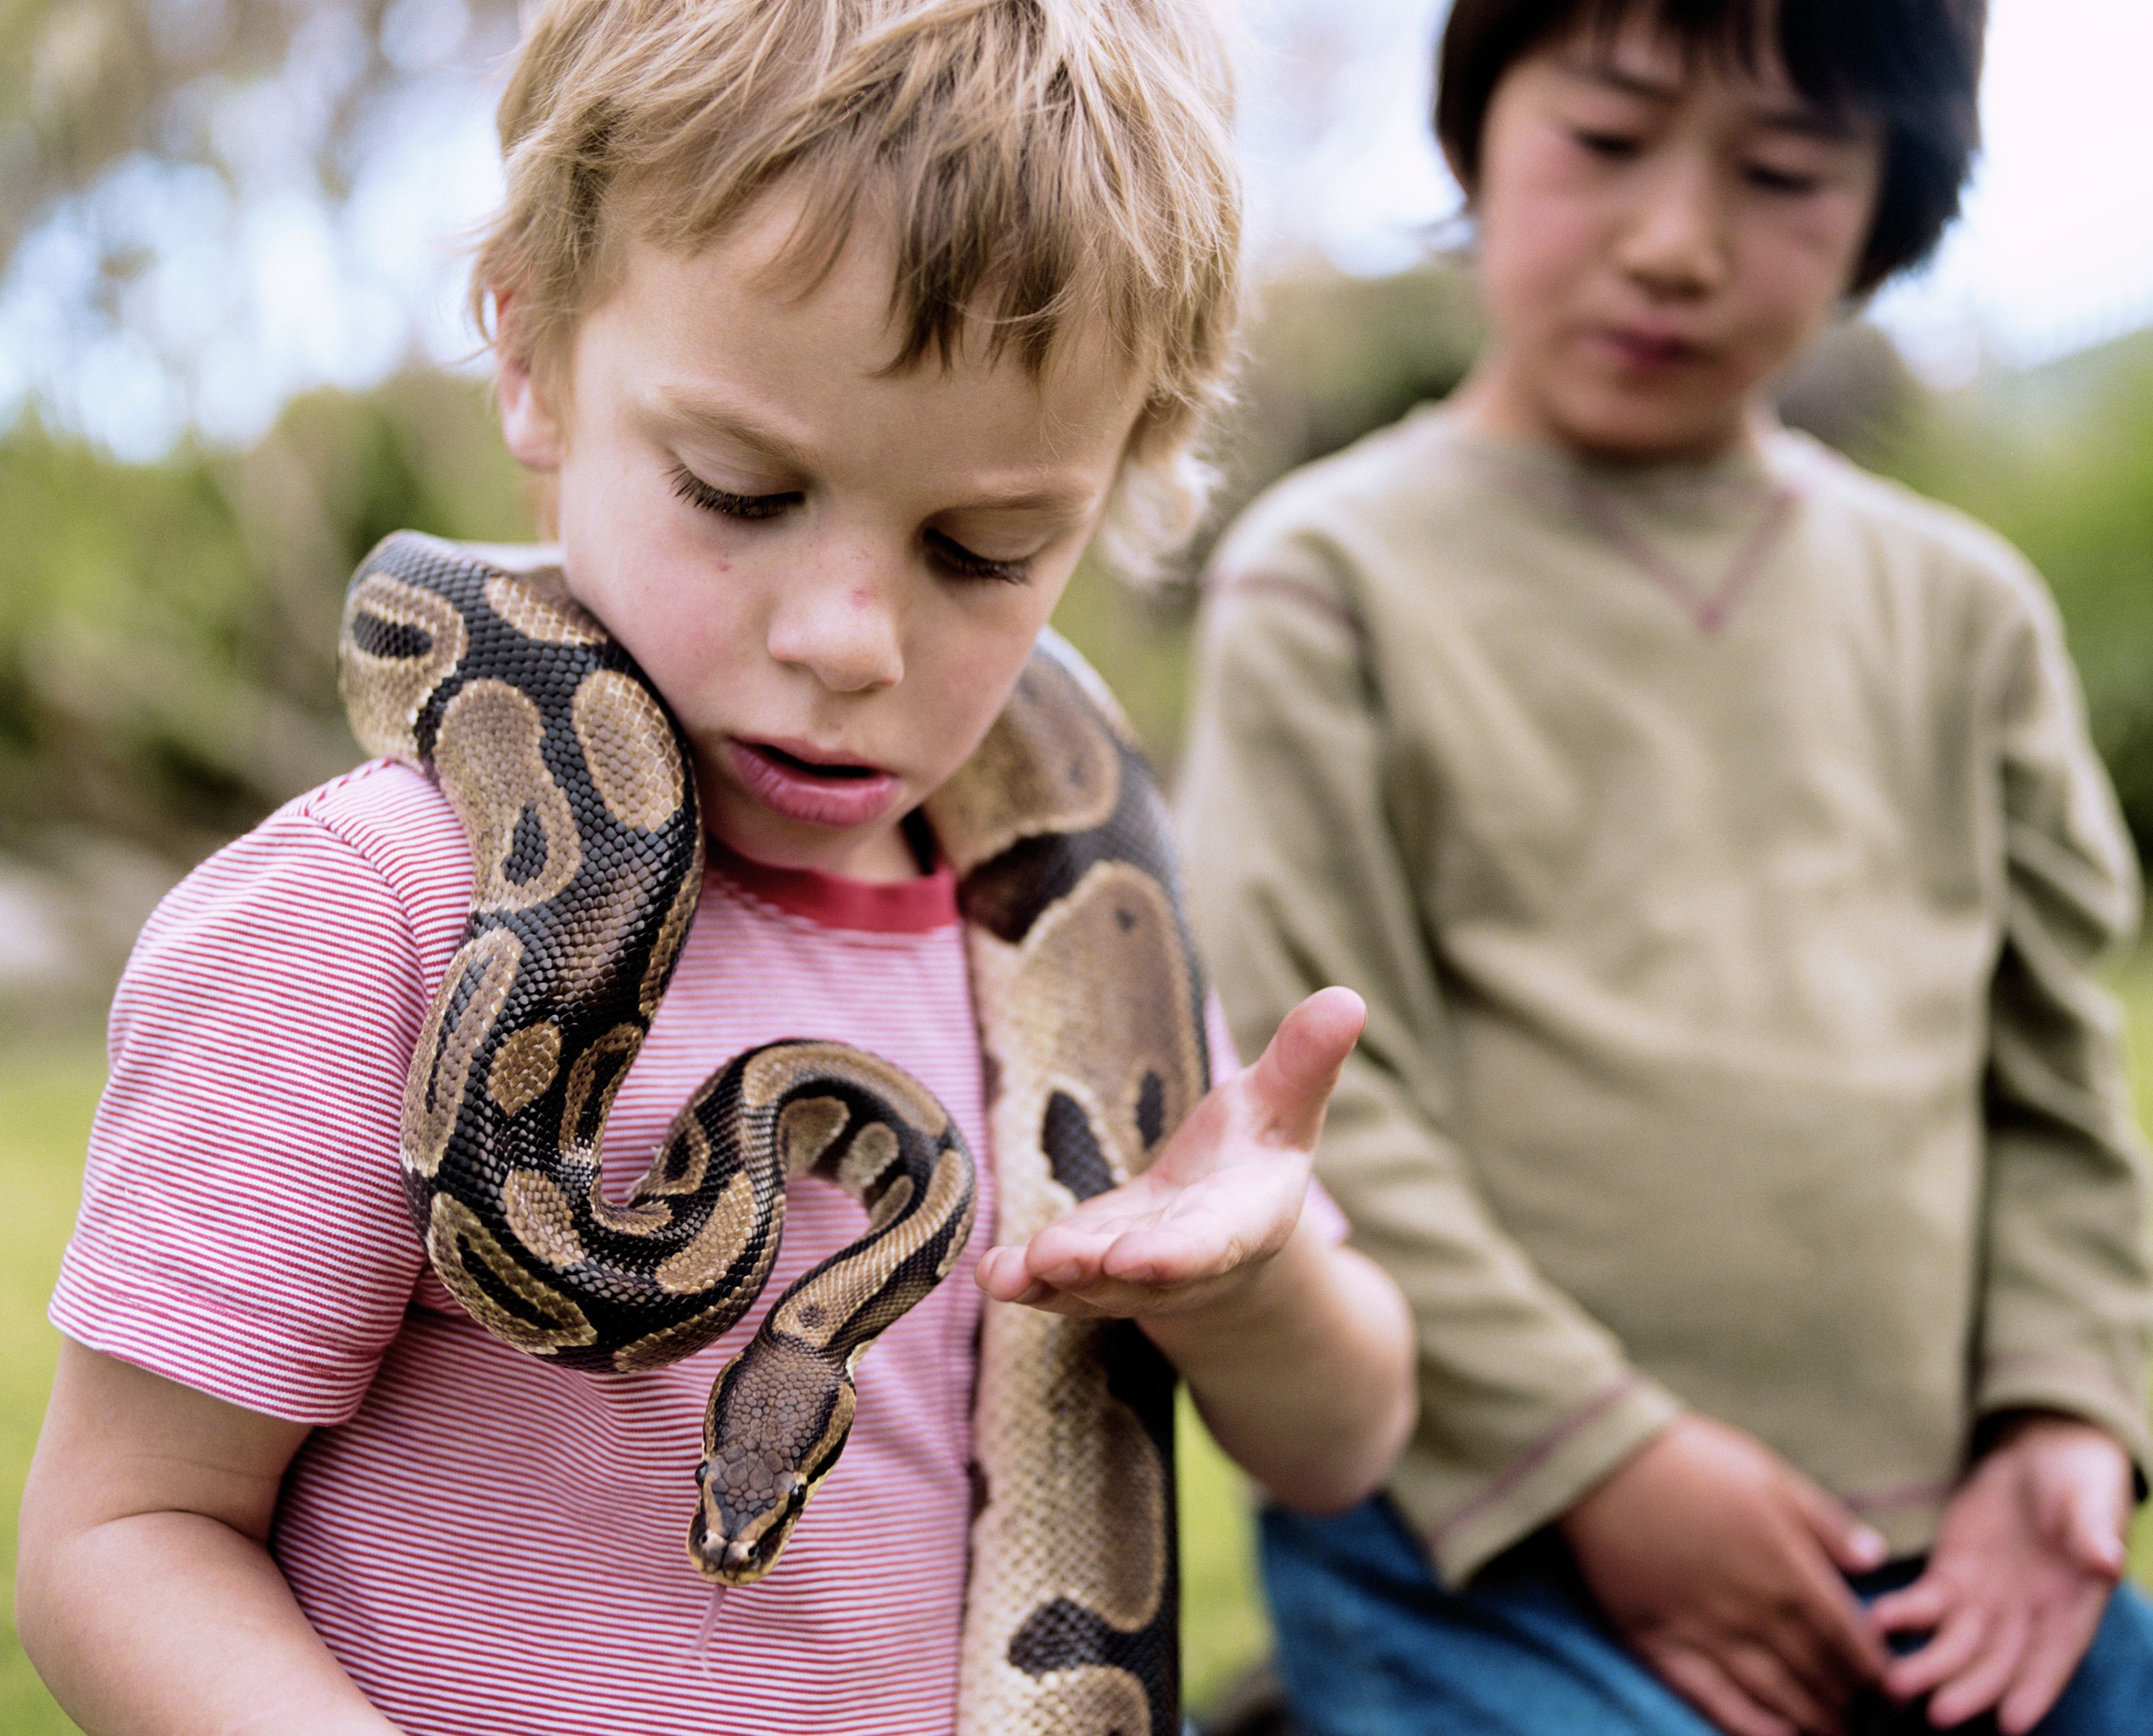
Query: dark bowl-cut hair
{"x":1913,"y":66}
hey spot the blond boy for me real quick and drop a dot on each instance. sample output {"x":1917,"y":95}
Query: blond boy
{"x":836,"y":330}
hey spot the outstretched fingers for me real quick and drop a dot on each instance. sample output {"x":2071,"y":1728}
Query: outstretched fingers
{"x":1222,"y":1198}
{"x":1960,"y":1636}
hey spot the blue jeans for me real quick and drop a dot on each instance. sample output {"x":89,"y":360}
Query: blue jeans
{"x":1370,"y":1645}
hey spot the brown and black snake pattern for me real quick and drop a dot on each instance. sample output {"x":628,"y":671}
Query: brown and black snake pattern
{"x":578,"y":795}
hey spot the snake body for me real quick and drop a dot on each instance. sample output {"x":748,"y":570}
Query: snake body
{"x":578,"y":795}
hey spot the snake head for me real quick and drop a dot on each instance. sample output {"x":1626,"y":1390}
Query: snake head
{"x":777,"y":1420}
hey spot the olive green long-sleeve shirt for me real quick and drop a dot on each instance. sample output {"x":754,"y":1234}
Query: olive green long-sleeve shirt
{"x":1724,"y":859}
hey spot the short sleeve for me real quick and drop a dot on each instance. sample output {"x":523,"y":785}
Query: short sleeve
{"x":243,"y":1228}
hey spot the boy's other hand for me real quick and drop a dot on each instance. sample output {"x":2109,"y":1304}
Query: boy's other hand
{"x":1219,"y":1200}
{"x":2030,"y":1549}
{"x":1720,"y":1564}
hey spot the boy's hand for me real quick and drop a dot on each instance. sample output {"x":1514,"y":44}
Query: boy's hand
{"x":2030,"y":1549}
{"x":1219,"y":1200}
{"x":1720,"y":1564}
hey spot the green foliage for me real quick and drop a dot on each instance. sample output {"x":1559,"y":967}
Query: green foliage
{"x":46,"y":1097}
{"x":1332,"y":359}
{"x":2061,"y":462}
{"x":167,"y":637}
{"x":83,"y":83}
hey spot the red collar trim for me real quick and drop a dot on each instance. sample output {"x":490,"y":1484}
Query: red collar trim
{"x":917,"y":906}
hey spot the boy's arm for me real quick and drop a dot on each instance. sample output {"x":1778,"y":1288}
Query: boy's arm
{"x":2067,"y":1312}
{"x":1207,"y":1250}
{"x":1296,"y":881}
{"x":144,"y":1594}
{"x":2033,"y":1545}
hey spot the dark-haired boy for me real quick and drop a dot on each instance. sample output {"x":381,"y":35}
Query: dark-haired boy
{"x":1714,"y":832}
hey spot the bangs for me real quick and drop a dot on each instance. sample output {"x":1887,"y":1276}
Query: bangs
{"x":1882,"y":60}
{"x":1036,"y":165}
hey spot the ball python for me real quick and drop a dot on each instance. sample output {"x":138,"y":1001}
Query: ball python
{"x":575,"y":791}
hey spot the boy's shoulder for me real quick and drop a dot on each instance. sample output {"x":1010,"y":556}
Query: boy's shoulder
{"x":1315,"y":521}
{"x":1958,"y":561}
{"x":391,"y":813}
{"x":380,"y":846}
{"x":390,"y":816}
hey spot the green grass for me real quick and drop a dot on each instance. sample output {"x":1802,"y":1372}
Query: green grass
{"x":46,"y":1096}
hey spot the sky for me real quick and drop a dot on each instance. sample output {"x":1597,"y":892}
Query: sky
{"x":252,"y":292}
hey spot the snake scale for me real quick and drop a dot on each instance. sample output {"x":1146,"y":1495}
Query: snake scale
{"x":576,"y":792}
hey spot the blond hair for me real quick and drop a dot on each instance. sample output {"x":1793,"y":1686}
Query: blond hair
{"x":1042,"y":165}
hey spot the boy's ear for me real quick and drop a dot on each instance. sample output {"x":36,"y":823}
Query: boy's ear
{"x":528,"y":424}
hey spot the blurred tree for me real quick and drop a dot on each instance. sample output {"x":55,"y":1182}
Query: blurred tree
{"x":85,"y":84}
{"x":167,"y":637}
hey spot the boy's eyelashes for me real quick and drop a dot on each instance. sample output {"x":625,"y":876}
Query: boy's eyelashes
{"x":1771,"y":178}
{"x":694,"y":490}
{"x":948,"y":553}
{"x":954,"y":558}
{"x":1780,"y":180}
{"x":1615,"y":146}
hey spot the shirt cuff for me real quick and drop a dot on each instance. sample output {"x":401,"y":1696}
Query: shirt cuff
{"x":2076,"y":1386}
{"x":246,"y":1358}
{"x":1542,"y":1482}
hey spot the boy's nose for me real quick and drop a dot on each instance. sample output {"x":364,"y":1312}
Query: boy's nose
{"x":1675,"y":245}
{"x":843,"y":626}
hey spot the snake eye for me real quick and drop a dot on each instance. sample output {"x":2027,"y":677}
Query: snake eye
{"x":702,"y":1472}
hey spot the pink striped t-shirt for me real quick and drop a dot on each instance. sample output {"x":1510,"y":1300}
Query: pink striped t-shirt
{"x":490,"y":1545}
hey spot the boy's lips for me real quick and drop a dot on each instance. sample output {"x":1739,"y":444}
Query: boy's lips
{"x":1651,"y":351}
{"x":794,"y":779}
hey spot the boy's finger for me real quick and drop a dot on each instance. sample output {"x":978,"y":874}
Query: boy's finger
{"x":1292,"y":1079}
{"x":1919,"y":1608}
{"x":1853,"y":1546}
{"x":1993,"y":1670}
{"x":1836,"y":1619}
{"x":2051,"y":1657}
{"x":1174,"y":1253}
{"x":1831,"y":1614}
{"x":2091,"y":1537}
{"x":1767,"y":1678}
{"x":1955,"y":1645}
{"x":1807,"y":1641}
{"x":1700,"y":1682}
{"x":1004,"y":1275}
